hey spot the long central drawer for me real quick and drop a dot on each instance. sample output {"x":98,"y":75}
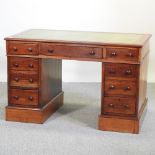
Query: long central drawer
{"x":50,"y":49}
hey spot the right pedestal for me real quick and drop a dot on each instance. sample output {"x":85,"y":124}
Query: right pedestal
{"x":124,"y":100}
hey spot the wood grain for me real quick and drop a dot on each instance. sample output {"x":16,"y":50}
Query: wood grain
{"x":122,"y":53}
{"x":34,"y":115}
{"x":22,"y":48}
{"x":70,"y":51}
{"x":35,"y":74}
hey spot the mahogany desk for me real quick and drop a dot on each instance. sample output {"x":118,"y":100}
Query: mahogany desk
{"x":35,"y":74}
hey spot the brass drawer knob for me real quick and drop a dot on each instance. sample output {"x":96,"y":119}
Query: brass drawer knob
{"x":113,"y":54}
{"x":30,"y":65}
{"x":16,"y":79}
{"x":16,"y":97}
{"x":16,"y":65}
{"x":92,"y":52}
{"x":128,"y":72}
{"x":50,"y":51}
{"x":31,"y":80}
{"x":112,"y":87}
{"x":30,"y":98}
{"x":29,"y":49}
{"x":15,"y":49}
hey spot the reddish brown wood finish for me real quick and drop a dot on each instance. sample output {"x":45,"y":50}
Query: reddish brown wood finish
{"x":23,"y":97}
{"x":120,"y":70}
{"x":121,"y":53}
{"x":23,"y":64}
{"x":143,"y":82}
{"x":120,"y":87}
{"x":34,"y":115}
{"x":35,"y":77}
{"x":50,"y":79}
{"x":24,"y":79}
{"x":123,"y":124}
{"x":22,"y":48}
{"x":119,"y":106}
{"x":70,"y":51}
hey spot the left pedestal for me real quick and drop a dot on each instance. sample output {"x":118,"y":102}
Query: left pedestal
{"x":34,"y":86}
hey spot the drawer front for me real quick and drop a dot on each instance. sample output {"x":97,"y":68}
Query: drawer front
{"x":25,"y":64}
{"x":22,"y":48}
{"x":70,"y":51}
{"x":115,"y":53}
{"x":24,"y":79}
{"x":121,"y":70}
{"x":23,"y":97}
{"x":120,"y":87}
{"x":115,"y":105}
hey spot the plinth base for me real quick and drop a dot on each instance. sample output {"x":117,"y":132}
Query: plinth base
{"x":130,"y":125}
{"x":34,"y":115}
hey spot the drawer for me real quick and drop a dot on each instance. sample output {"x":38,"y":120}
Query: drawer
{"x":23,"y":97}
{"x":119,"y":53}
{"x":22,"y":48}
{"x":70,"y":51}
{"x":121,"y":70}
{"x":25,"y":79}
{"x":24,"y":64}
{"x":115,"y":105}
{"x":120,"y":87}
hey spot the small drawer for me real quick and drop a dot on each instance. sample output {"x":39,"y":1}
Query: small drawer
{"x":115,"y":105}
{"x":22,"y":48}
{"x":70,"y":51}
{"x":23,"y":97}
{"x":119,"y":53}
{"x":120,"y":88}
{"x":23,"y":79}
{"x":24,"y":64}
{"x":121,"y":70}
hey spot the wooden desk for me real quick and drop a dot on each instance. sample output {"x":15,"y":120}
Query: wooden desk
{"x":35,"y":74}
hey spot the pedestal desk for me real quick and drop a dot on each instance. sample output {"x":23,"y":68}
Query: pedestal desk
{"x":35,"y":74}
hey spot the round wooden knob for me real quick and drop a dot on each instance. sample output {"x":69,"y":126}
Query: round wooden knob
{"x":126,"y":106}
{"x":113,"y":54}
{"x":111,"y":105}
{"x":112,"y":87}
{"x":16,"y":97}
{"x":16,"y":79}
{"x":92,"y":52}
{"x":31,"y":80}
{"x":30,"y":65}
{"x":29,"y":49}
{"x":130,"y":54}
{"x":128,"y":72}
{"x":50,"y":51}
{"x":15,"y":49}
{"x":127,"y":88}
{"x":16,"y":65}
{"x":30,"y":98}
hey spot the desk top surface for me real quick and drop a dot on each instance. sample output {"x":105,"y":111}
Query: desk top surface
{"x":101,"y":38}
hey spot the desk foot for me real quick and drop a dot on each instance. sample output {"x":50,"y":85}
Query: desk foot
{"x":129,"y":125}
{"x":34,"y":115}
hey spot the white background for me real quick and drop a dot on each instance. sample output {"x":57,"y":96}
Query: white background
{"x":136,"y":16}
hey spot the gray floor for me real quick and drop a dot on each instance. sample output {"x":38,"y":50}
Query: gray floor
{"x":73,"y":129}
